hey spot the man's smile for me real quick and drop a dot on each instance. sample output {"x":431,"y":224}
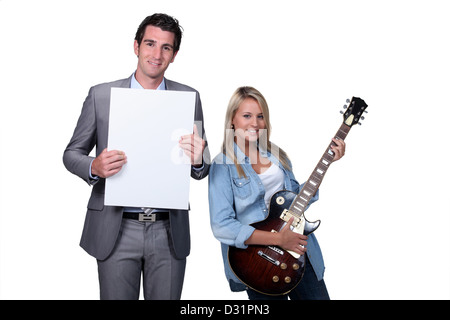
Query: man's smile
{"x":154,"y":63}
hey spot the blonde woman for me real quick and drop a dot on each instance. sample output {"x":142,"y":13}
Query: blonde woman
{"x":242,"y":179}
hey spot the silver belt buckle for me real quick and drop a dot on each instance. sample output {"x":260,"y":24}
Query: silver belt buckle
{"x":147,"y":218}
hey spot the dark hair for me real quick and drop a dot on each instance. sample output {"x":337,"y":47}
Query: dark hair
{"x":165,"y":23}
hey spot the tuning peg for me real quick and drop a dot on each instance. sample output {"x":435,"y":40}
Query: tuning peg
{"x":345,"y":106}
{"x":362,"y":118}
{"x":366,"y":111}
{"x":341,"y":112}
{"x":359,"y":123}
{"x":348,"y":100}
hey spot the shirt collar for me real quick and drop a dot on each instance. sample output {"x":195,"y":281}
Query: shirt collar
{"x":136,"y":85}
{"x":242,"y":158}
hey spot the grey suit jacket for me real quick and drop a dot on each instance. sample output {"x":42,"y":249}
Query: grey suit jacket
{"x":102,"y":223}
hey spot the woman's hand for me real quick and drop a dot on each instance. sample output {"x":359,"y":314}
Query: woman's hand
{"x":292,"y":241}
{"x":338,"y":149}
{"x":286,"y":239}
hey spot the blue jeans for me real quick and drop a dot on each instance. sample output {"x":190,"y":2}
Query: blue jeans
{"x":309,"y":288}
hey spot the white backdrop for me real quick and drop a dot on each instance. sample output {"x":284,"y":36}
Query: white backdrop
{"x":384,"y":207}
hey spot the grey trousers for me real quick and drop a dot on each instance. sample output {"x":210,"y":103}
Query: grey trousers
{"x":142,"y":249}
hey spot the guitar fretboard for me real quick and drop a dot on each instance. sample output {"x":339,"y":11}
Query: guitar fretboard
{"x":311,"y":186}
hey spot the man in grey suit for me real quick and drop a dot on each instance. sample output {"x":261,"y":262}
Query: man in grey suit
{"x":130,"y":242}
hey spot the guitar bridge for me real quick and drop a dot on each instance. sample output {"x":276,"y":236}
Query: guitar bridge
{"x":277,"y":250}
{"x":271,"y":260}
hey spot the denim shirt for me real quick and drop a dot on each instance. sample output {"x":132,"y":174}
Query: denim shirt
{"x":236,"y":202}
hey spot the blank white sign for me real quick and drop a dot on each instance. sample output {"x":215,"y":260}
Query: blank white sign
{"x":147,"y":125}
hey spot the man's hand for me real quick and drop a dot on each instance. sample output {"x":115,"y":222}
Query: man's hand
{"x":193,"y":147}
{"x":108,"y":163}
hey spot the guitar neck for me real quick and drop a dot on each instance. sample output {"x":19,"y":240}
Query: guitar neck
{"x":311,"y":186}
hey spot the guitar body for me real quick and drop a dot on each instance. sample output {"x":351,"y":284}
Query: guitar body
{"x":269,"y":269}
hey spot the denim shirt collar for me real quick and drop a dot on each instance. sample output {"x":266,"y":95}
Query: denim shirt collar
{"x":243,"y":159}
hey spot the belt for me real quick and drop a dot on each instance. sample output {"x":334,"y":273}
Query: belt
{"x":160,"y":215}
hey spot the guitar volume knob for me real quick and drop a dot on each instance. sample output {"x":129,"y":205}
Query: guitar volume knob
{"x":275,"y":279}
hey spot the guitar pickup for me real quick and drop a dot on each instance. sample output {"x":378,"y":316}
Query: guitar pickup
{"x":286,"y":215}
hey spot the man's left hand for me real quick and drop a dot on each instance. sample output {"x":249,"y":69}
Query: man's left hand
{"x":193,"y":146}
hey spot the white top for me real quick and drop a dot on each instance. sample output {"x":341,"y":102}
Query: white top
{"x":273,"y":181}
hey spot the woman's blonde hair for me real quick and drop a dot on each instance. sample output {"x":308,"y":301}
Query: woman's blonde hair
{"x":264,"y":142}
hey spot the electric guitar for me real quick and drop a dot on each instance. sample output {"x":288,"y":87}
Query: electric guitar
{"x":273,"y":270}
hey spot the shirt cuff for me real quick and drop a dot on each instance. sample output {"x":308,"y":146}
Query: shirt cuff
{"x":200,"y":168}
{"x":90,"y":172}
{"x":244,"y":234}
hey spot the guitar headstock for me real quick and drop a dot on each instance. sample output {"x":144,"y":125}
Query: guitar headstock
{"x":355,"y":108}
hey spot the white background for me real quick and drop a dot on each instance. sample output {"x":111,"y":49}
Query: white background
{"x":384,"y":207}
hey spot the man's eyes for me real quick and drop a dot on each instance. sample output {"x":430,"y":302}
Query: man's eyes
{"x":165,"y":48}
